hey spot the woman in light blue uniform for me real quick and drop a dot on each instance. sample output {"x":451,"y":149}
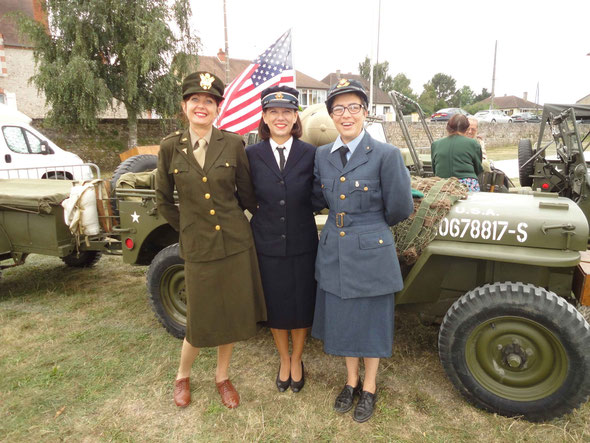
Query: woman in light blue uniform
{"x":366,"y":186}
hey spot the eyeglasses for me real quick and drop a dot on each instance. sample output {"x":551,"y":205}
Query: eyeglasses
{"x":354,"y":108}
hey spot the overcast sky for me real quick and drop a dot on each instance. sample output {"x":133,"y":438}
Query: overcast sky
{"x":537,"y":42}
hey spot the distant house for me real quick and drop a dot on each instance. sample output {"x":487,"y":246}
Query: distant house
{"x":311,"y":91}
{"x":381,"y":103}
{"x":17,"y":65}
{"x":584,"y":100}
{"x":512,"y":104}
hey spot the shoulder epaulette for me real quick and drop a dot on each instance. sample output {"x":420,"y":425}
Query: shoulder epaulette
{"x":230,"y":132}
{"x":173,"y":134}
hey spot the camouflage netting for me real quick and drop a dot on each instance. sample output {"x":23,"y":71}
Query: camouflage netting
{"x":419,"y":229}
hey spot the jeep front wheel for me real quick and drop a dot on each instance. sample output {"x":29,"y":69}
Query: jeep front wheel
{"x":165,"y":284}
{"x":517,"y":349}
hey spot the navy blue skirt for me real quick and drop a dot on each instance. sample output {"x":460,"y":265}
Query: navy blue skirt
{"x":354,"y":327}
{"x":289,"y":290}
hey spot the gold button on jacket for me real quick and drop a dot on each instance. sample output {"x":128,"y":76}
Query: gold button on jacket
{"x":204,"y":190}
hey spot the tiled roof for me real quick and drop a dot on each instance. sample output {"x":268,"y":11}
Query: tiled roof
{"x":379,"y":96}
{"x":214,"y":65}
{"x":8,"y":29}
{"x":509,"y":102}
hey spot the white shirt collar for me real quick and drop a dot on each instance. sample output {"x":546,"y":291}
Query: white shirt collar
{"x":351,"y":145}
{"x":286,"y":145}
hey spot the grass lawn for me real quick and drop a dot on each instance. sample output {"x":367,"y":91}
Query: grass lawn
{"x":83,"y":358}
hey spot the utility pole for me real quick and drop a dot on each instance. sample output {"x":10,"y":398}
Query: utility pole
{"x":372,"y":75}
{"x":494,"y":77}
{"x":226,"y":43}
{"x":537,"y":99}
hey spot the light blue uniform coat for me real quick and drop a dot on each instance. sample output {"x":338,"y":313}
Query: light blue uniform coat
{"x":356,"y":256}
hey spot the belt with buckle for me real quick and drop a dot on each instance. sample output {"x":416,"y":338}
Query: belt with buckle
{"x":366,"y":218}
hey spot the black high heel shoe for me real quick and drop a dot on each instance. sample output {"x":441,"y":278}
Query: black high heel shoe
{"x":282,"y":386}
{"x":297,"y":386}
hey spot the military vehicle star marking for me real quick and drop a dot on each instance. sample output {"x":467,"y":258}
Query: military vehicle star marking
{"x":135,"y":217}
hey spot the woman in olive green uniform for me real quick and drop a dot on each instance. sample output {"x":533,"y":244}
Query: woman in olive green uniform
{"x":210,"y":171}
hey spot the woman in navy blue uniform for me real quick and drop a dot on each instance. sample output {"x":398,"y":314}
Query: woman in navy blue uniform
{"x":284,"y":228}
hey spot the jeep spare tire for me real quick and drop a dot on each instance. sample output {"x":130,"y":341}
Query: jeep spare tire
{"x":166,"y":292}
{"x":517,"y":350}
{"x":137,"y":163}
{"x":525,"y":152}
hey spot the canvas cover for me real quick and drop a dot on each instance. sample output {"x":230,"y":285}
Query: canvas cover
{"x":32,"y":194}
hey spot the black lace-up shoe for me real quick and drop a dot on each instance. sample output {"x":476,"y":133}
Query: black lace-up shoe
{"x":365,"y":407}
{"x":345,"y":399}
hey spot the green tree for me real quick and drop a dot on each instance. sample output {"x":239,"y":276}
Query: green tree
{"x":381,"y":77}
{"x":462,"y":97}
{"x":97,"y":52}
{"x":401,"y":84}
{"x":444,"y":87}
{"x":484,"y":94}
{"x":428,"y":100}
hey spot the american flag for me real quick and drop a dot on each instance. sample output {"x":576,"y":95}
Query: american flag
{"x":241,"y":109}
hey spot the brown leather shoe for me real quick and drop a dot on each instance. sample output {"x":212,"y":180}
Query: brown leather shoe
{"x":182,"y":392}
{"x":229,"y":395}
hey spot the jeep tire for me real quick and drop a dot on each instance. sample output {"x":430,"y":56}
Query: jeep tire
{"x":82,"y":259}
{"x":165,"y":285}
{"x":137,"y":163}
{"x":517,"y":350}
{"x":525,"y":152}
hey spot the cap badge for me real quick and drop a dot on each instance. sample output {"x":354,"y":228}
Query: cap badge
{"x":207,"y":80}
{"x":279,"y":95}
{"x":342,"y":83}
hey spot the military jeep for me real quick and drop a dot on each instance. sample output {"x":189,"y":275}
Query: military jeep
{"x":567,"y":173}
{"x":501,"y":276}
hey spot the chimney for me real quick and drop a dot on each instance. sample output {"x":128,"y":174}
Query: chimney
{"x":221,"y":55}
{"x":338,"y":76}
{"x":525,"y":95}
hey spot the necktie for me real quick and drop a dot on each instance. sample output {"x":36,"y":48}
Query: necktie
{"x":281,"y":151}
{"x":343,"y":151}
{"x":200,"y":152}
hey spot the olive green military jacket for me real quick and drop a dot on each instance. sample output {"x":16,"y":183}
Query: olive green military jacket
{"x":209,"y":215}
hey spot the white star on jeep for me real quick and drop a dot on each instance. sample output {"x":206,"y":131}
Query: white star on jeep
{"x":135,"y":217}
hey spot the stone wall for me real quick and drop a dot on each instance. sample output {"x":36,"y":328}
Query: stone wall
{"x":494,"y":134}
{"x":104,"y":145}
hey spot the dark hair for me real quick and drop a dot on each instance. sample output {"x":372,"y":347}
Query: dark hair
{"x":330,"y":102}
{"x":264,"y":130}
{"x":457,"y":123}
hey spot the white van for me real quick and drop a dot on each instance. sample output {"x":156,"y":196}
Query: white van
{"x":26,"y":153}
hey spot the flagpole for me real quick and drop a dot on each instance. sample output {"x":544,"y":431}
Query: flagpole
{"x":226,"y":43}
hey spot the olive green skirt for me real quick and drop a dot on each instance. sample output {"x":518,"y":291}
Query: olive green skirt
{"x":225,"y":301}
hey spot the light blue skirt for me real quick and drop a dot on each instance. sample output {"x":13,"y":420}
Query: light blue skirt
{"x":355,"y":327}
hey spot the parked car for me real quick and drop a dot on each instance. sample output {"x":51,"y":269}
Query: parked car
{"x":526,"y":117}
{"x":443,"y":115}
{"x":493,"y":116}
{"x":26,"y":153}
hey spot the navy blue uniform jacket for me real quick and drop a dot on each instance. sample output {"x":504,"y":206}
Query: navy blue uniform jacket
{"x":283,"y":224}
{"x":356,"y":255}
